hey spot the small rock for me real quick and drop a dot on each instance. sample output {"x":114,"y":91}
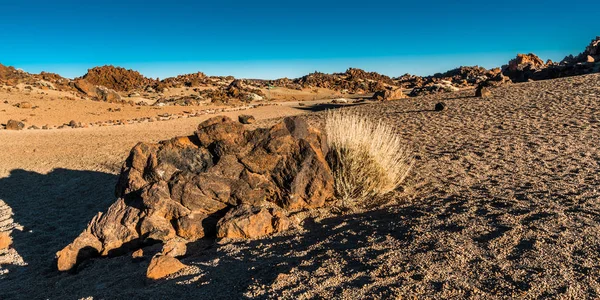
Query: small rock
{"x":440,"y":106}
{"x":590,"y":59}
{"x":14,"y":125}
{"x":246,"y":119}
{"x":139,"y":253}
{"x":5,"y":240}
{"x":162,"y":266}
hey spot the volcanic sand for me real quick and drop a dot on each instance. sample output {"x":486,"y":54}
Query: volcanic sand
{"x":503,"y":201}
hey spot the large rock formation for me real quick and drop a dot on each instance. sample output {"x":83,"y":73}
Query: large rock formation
{"x":591,"y":54}
{"x":116,"y":78}
{"x":96,"y":92}
{"x":224,"y":180}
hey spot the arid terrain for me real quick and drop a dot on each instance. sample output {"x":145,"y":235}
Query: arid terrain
{"x":118,"y":186}
{"x":502,"y":202}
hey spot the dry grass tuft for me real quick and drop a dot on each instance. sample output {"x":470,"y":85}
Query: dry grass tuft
{"x":367,"y":158}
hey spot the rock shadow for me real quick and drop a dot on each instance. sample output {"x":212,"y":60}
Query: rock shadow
{"x":53,"y":209}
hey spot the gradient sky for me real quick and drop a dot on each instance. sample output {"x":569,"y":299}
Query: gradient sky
{"x":272,"y":39}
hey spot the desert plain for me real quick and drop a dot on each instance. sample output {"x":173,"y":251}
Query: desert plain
{"x":503,"y":200}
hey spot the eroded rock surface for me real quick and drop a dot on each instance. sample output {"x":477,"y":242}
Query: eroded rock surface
{"x":182,"y":188}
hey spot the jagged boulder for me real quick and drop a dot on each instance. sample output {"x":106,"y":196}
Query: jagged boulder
{"x":182,"y":188}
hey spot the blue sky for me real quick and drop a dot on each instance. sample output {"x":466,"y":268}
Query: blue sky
{"x":271,"y":39}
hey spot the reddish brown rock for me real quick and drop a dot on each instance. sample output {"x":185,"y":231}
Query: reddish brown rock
{"x":180,"y":188}
{"x":525,"y":60}
{"x":247,"y":222}
{"x":117,"y":78}
{"x":162,"y":266}
{"x":96,"y":92}
{"x":196,"y":226}
{"x":5,"y":240}
{"x":85,"y":246}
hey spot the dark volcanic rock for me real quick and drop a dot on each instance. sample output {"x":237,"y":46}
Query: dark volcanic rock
{"x":183,"y":187}
{"x":439,"y":106}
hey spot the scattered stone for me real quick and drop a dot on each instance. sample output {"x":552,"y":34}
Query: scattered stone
{"x":440,"y":106}
{"x":14,"y":125}
{"x":246,"y":119}
{"x":162,"y":266}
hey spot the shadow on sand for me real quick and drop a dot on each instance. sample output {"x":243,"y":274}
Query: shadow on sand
{"x":327,"y":106}
{"x":54,"y":209}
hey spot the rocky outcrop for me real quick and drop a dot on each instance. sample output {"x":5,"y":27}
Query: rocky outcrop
{"x":116,"y":78}
{"x":523,"y":67}
{"x":591,"y":54}
{"x":99,"y":93}
{"x":237,"y":90}
{"x":224,"y":180}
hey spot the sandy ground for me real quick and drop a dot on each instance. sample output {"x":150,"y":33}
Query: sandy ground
{"x":503,"y":202}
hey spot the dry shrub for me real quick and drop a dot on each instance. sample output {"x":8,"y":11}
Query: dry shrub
{"x":367,"y":158}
